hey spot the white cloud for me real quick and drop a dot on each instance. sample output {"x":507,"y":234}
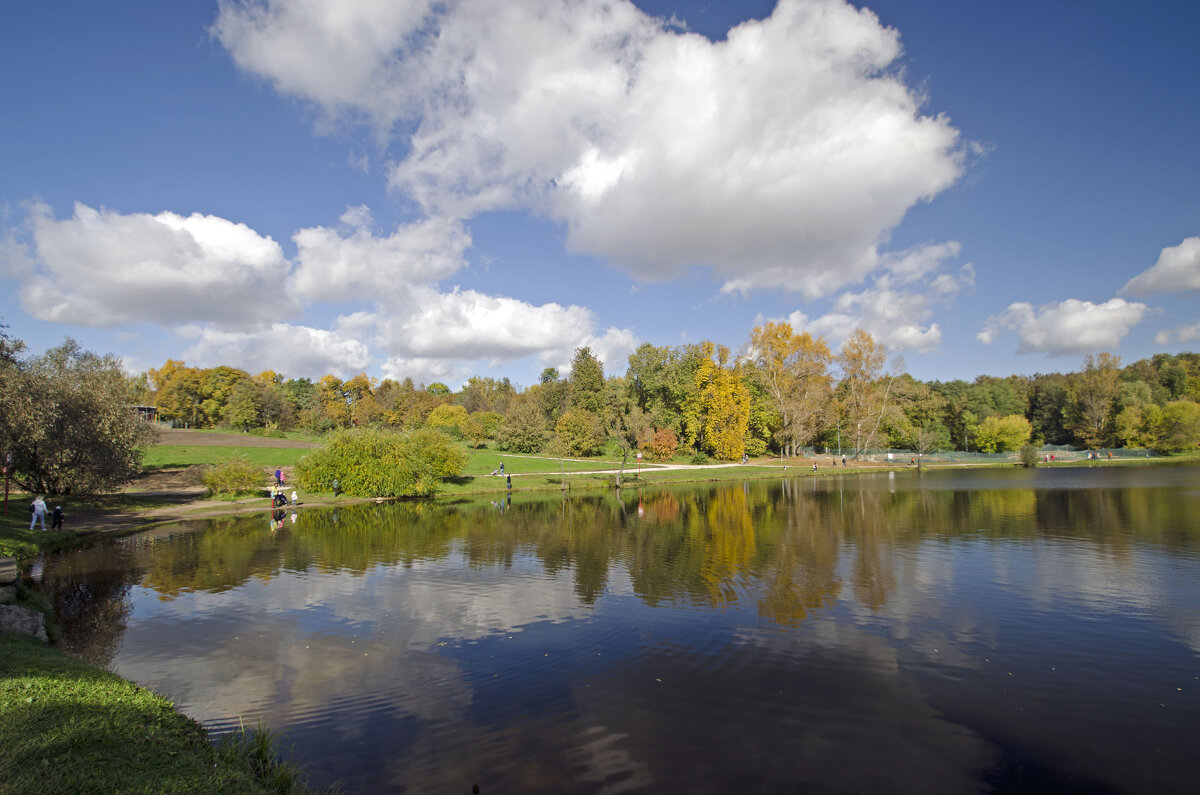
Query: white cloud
{"x":102,"y":268}
{"x":1177,"y":270}
{"x":1180,"y":334}
{"x":1066,"y":327}
{"x":352,"y":263}
{"x":466,"y":324}
{"x":897,"y":308}
{"x":297,"y":351}
{"x":779,"y":157}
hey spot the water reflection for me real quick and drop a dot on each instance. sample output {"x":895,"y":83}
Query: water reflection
{"x":832,"y":634}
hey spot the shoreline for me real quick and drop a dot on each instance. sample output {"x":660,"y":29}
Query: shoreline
{"x":191,"y":504}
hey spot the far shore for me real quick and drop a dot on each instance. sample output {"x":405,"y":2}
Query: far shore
{"x":159,"y":498}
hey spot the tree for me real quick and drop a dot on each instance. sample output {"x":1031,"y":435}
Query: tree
{"x":66,"y":418}
{"x":579,"y":432}
{"x":793,"y":370}
{"x":1093,"y":393}
{"x":663,"y":445}
{"x":1179,"y":428}
{"x":245,"y":405}
{"x":864,"y":390}
{"x":1001,"y":434}
{"x":524,"y":430}
{"x":587,"y":381}
{"x":369,"y":462}
{"x":448,"y":417}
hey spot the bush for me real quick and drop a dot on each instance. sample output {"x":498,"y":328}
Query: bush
{"x":235,"y":476}
{"x":699,"y":457}
{"x":1029,"y":455}
{"x":663,"y":445}
{"x":369,"y":462}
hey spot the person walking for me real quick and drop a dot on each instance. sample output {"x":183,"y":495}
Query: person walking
{"x":335,"y":487}
{"x":39,"y":512}
{"x":278,"y":476}
{"x":57,"y":519}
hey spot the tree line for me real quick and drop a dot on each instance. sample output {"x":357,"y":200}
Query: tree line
{"x":782,"y":392}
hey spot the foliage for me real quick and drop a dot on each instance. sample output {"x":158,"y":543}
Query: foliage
{"x":587,"y":381}
{"x":1029,"y":455}
{"x":233,"y":476}
{"x":699,"y":457}
{"x":1179,"y":428}
{"x":579,"y":432}
{"x":864,"y":390}
{"x":663,"y":445}
{"x":793,"y":371}
{"x":65,"y":416}
{"x":369,"y":462}
{"x":1092,"y":394}
{"x":1001,"y":434}
{"x":524,"y":430}
{"x":450,"y":418}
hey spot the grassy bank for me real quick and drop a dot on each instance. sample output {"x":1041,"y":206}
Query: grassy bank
{"x":68,"y":727}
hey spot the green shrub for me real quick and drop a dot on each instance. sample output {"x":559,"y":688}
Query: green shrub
{"x":235,"y":476}
{"x":369,"y":462}
{"x":1029,"y":455}
{"x":700,"y":457}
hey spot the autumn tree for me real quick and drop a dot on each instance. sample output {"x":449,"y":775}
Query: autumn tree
{"x":864,"y":391}
{"x":793,"y":370}
{"x":66,"y":417}
{"x":717,"y":413}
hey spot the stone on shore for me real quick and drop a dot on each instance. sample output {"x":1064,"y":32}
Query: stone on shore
{"x":15,"y":618}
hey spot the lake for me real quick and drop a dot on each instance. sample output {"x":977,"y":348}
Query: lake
{"x":957,"y":631}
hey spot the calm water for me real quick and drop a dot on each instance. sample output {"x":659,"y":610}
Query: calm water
{"x":951,"y":632}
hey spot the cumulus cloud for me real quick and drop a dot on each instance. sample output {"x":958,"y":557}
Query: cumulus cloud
{"x":102,"y":268}
{"x":467,"y":324}
{"x":779,"y":157}
{"x":1066,"y":327}
{"x":353,"y":263}
{"x":896,"y":309}
{"x":296,"y":350}
{"x":1180,"y":334}
{"x":1177,"y":270}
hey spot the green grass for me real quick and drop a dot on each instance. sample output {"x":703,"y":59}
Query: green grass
{"x":66,"y":726}
{"x":173,"y":456}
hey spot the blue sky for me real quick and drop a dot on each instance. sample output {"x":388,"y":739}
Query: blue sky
{"x":438,"y":190}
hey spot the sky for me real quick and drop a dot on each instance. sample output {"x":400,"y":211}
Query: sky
{"x":437,"y":189}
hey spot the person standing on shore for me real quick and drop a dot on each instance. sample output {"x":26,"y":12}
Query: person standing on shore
{"x":39,"y":512}
{"x":57,"y":519}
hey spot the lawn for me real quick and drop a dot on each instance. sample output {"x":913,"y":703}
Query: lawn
{"x":172,"y":456}
{"x":68,"y":727}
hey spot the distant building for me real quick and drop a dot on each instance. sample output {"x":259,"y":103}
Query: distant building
{"x":147,"y":413}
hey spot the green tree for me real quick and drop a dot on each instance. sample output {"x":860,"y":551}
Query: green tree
{"x":448,"y":417}
{"x":524,"y":430}
{"x":1093,"y":394}
{"x":1179,"y":427}
{"x":370,"y":462}
{"x":1001,"y":434}
{"x":587,"y":381}
{"x":66,"y":418}
{"x":579,"y":432}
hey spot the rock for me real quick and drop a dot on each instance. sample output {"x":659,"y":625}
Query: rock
{"x":21,"y":619}
{"x":8,"y":594}
{"x":8,"y":570}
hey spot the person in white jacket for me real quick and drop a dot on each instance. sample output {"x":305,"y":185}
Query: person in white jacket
{"x":39,"y":513}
